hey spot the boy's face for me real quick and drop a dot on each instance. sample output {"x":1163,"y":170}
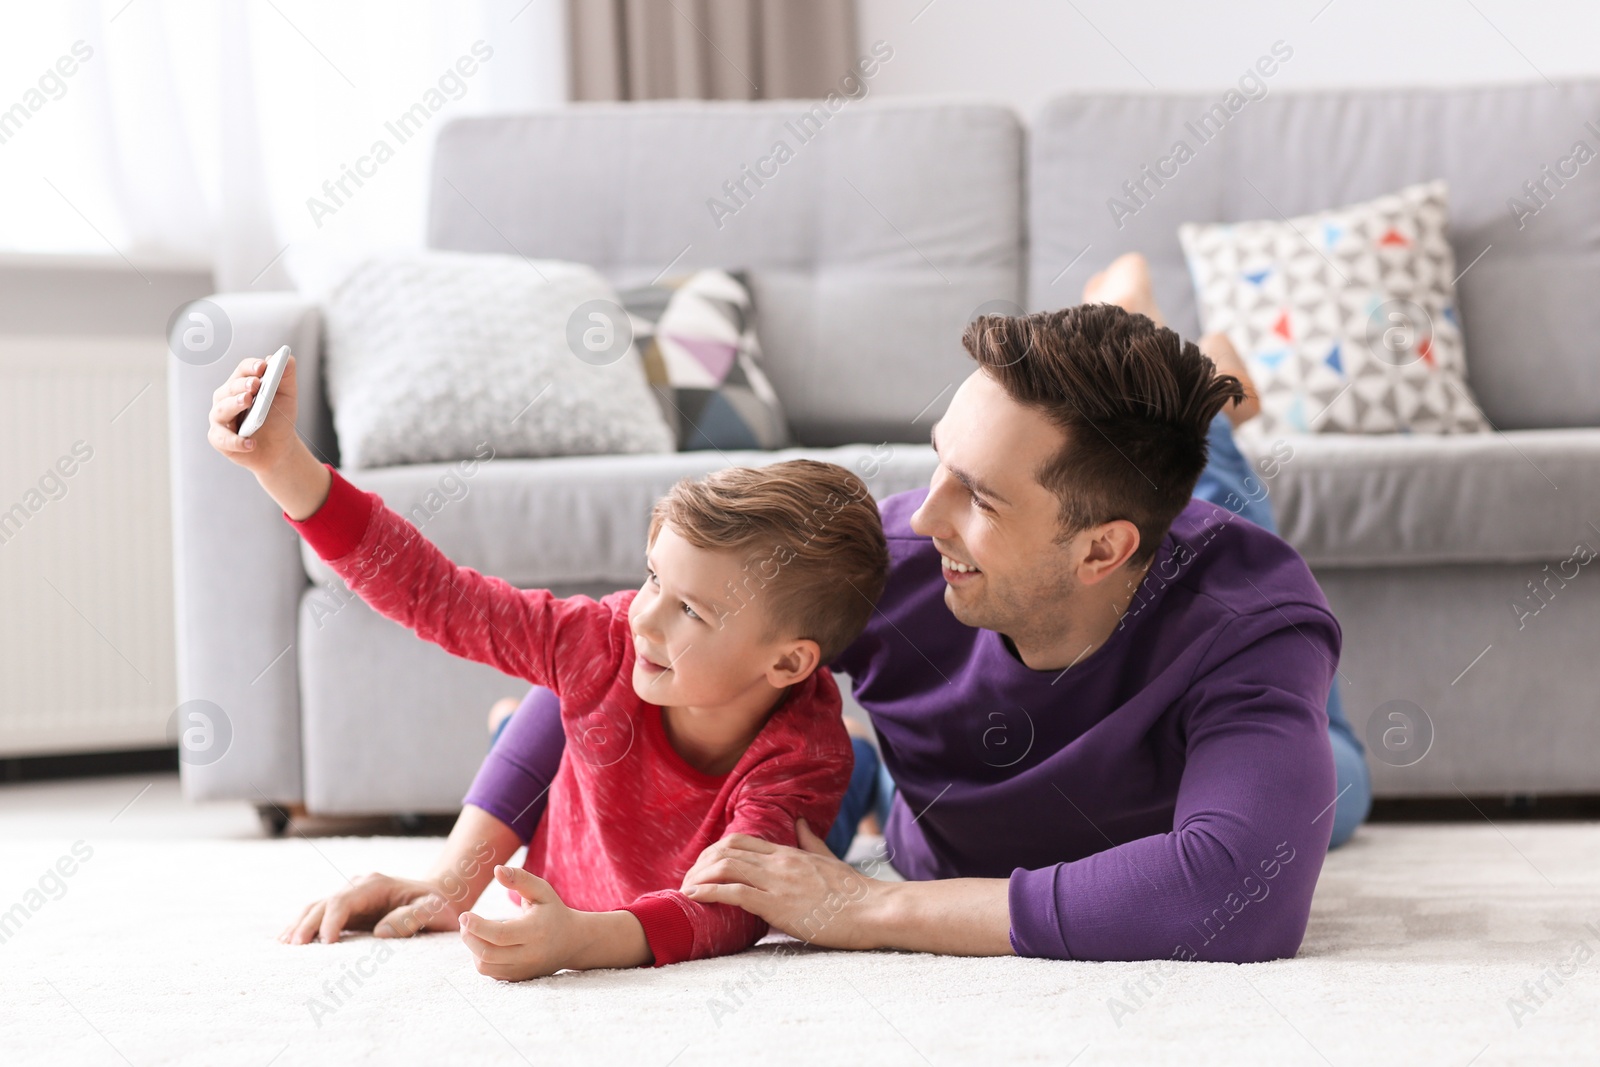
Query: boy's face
{"x":700,"y":632}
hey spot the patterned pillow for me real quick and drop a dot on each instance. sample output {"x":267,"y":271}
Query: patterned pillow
{"x":1346,"y":318}
{"x":697,"y":336}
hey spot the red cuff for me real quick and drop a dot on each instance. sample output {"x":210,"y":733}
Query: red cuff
{"x":336,"y":528}
{"x":666,"y":927}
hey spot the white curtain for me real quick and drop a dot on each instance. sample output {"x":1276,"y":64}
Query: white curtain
{"x":222,"y":132}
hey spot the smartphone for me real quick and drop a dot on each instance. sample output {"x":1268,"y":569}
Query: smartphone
{"x":269,"y":388}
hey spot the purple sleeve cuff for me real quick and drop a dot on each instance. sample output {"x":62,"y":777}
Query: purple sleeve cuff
{"x":1037,"y":927}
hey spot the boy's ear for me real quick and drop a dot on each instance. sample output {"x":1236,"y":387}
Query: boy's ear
{"x":795,"y":663}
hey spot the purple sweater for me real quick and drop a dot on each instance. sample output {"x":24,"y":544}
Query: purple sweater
{"x":1168,"y":797}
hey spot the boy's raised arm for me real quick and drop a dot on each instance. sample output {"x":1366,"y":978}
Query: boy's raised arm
{"x":527,"y":633}
{"x":403,"y":576}
{"x":299,"y":483}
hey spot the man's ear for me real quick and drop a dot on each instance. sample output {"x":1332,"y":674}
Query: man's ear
{"x":794,"y":663}
{"x":1105,"y":549}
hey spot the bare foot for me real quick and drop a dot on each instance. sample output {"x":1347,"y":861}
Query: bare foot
{"x":857,"y":728}
{"x":1220,"y":351}
{"x":501,"y":711}
{"x":1125,"y":283}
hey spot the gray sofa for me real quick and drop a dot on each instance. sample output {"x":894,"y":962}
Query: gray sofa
{"x":1425,"y":547}
{"x":868,"y":250}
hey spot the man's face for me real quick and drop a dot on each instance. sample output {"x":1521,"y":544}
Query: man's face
{"x":986,"y":510}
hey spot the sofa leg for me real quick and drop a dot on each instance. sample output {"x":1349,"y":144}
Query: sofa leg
{"x":274,"y":819}
{"x":1521,"y":805}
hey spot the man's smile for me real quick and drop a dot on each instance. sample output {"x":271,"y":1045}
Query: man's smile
{"x":955,"y":572}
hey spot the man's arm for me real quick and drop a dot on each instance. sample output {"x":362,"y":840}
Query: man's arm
{"x":956,"y":917}
{"x":1231,"y":882}
{"x":513,"y":782}
{"x":400,"y":907}
{"x":809,"y":894}
{"x":477,"y":842}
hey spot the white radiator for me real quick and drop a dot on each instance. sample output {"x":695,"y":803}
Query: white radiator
{"x":86,"y":617}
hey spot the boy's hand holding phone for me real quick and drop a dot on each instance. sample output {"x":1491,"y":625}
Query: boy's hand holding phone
{"x":274,"y":453}
{"x":230,"y":407}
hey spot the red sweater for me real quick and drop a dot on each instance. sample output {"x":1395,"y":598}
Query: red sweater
{"x":626,"y":816}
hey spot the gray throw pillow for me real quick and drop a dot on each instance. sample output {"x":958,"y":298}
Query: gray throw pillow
{"x":431,"y":354}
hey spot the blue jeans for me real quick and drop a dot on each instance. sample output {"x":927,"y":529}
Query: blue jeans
{"x":871,"y":789}
{"x":1229,"y":482}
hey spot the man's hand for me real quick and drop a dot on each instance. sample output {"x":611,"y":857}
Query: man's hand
{"x":400,"y":907}
{"x":549,"y":936}
{"x":805,"y":892}
{"x":389,"y":907}
{"x":808,"y":894}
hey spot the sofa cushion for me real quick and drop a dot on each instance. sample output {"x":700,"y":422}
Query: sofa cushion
{"x":870,"y":232}
{"x":579,"y":520}
{"x":1351,"y":500}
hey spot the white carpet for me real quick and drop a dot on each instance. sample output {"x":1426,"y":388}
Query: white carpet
{"x":162,"y":952}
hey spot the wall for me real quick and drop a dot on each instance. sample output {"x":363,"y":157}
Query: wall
{"x":1025,"y":51}
{"x":87,"y":633}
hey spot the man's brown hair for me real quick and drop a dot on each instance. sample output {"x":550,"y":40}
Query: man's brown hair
{"x":810,"y":537}
{"x":1136,"y":402}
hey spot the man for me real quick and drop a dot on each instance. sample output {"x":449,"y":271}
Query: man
{"x":1101,"y":703}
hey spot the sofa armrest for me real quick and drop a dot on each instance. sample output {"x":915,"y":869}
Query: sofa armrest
{"x":237,"y":565}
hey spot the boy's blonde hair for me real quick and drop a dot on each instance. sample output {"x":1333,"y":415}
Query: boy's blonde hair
{"x":811,"y":538}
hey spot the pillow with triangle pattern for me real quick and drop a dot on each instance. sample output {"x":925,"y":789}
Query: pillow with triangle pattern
{"x":697,"y":337}
{"x":1346,"y":318}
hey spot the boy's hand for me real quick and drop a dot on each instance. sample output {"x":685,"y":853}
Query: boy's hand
{"x":549,"y":936}
{"x":390,"y":907}
{"x":281,"y":462}
{"x":231,"y":403}
{"x":542,"y":940}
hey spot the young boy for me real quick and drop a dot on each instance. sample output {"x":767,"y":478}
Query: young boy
{"x":694,"y":707}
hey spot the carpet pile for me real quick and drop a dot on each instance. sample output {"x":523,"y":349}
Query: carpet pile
{"x":1428,"y":944}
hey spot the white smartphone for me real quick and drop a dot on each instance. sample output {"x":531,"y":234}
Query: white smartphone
{"x":269,"y":388}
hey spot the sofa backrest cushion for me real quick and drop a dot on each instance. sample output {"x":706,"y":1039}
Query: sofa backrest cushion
{"x":870,"y":233}
{"x":1531,"y":264}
